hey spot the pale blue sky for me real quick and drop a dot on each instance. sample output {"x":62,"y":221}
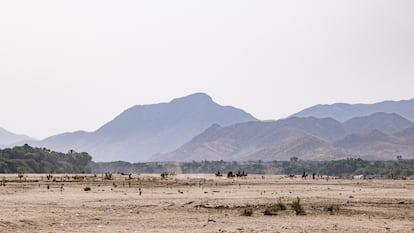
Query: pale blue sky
{"x":76,"y":64}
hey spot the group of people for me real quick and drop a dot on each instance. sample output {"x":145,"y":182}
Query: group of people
{"x":230,"y":174}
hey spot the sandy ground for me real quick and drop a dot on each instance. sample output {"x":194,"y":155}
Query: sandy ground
{"x":202,"y":203}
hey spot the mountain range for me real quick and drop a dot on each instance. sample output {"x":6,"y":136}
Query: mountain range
{"x":343,"y":112}
{"x":196,"y":128}
{"x":144,"y":130}
{"x":307,"y":138}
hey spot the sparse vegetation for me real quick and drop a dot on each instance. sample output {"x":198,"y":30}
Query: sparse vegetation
{"x":274,"y":209}
{"x":331,"y":208}
{"x":280,"y":205}
{"x":247,"y":212}
{"x":87,"y":197}
{"x":271,"y":210}
{"x":297,"y":207}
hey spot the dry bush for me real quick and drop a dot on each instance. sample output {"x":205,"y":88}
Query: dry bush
{"x":331,"y":208}
{"x":280,"y":205}
{"x":271,"y":210}
{"x":297,"y":207}
{"x":247,"y":212}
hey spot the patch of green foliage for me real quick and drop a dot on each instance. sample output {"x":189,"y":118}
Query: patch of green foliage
{"x":26,"y":159}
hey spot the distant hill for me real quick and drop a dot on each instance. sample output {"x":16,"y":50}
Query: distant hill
{"x":343,"y":112}
{"x":376,"y":145}
{"x":7,"y":137}
{"x":385,"y":122}
{"x":406,"y":136}
{"x":144,"y":130}
{"x":307,"y":138}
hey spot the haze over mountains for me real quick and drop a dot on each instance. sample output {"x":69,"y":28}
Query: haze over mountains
{"x":307,"y":138}
{"x":343,"y":112}
{"x":7,"y":137}
{"x":196,"y":128}
{"x":144,"y":130}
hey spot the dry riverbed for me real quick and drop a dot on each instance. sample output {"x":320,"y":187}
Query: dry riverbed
{"x":202,"y":203}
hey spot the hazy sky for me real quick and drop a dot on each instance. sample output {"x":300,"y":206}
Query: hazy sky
{"x":76,"y":64}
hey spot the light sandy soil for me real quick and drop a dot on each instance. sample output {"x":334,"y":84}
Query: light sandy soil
{"x":202,"y":203}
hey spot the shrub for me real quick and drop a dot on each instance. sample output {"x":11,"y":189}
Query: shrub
{"x":332,"y":208}
{"x":247,"y":212}
{"x":271,"y":210}
{"x":86,"y":189}
{"x":297,"y":207}
{"x":280,"y":205}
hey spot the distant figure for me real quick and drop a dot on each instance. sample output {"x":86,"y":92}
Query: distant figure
{"x":313,"y":175}
{"x":304,"y":175}
{"x":243,"y":174}
{"x":218,"y":173}
{"x":164,"y":175}
{"x":139,"y":190}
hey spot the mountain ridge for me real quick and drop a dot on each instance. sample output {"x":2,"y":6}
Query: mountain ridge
{"x":143,"y":130}
{"x":195,"y":127}
{"x":343,"y":111}
{"x":307,"y":138}
{"x":7,"y":137}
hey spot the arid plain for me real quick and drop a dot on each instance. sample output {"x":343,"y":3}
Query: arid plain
{"x":202,"y":203}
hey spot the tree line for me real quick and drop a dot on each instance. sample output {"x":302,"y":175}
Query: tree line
{"x":27,"y":159}
{"x":346,"y":167}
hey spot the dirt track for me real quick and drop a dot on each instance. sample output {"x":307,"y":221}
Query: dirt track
{"x":203,"y":203}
